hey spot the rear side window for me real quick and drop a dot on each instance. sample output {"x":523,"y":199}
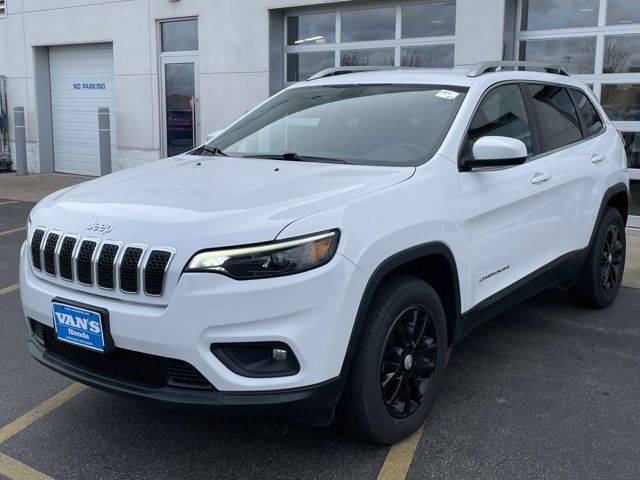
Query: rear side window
{"x":501,"y":112}
{"x":557,"y":116}
{"x":592,"y":120}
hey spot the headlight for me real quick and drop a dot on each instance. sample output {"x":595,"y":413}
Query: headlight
{"x":273,"y":259}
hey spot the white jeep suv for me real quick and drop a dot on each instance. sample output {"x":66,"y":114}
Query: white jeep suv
{"x":326,"y":250}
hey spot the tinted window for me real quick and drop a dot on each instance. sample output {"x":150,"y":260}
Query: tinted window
{"x":303,"y":65}
{"x":502,"y":112}
{"x":575,"y":55}
{"x":429,"y":19}
{"x":372,"y":124}
{"x":434,"y":56}
{"x":558,"y":117}
{"x":588,"y":111}
{"x":546,"y":14}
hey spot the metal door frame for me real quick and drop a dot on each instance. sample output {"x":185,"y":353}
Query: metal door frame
{"x":174,"y":58}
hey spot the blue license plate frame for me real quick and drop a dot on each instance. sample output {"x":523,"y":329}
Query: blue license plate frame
{"x":82,"y":325}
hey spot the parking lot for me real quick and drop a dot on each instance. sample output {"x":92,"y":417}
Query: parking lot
{"x":546,"y":390}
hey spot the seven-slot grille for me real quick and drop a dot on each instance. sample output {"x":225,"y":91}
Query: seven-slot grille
{"x":105,"y":264}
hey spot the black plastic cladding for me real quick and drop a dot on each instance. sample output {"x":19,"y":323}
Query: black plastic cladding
{"x":84,"y":261}
{"x":154,"y":272}
{"x":65,"y":258}
{"x":36,"y":243}
{"x":50,"y":253}
{"x":106,"y":263}
{"x":129,"y":269}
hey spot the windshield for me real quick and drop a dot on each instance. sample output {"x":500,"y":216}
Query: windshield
{"x":370,"y":124}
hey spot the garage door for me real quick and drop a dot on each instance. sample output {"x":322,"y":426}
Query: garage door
{"x":81,"y":82}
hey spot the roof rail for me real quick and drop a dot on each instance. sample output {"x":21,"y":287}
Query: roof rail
{"x":484,"y":67}
{"x":330,"y":72}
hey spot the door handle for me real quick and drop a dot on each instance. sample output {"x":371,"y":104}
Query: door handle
{"x":597,"y":158}
{"x":540,"y":177}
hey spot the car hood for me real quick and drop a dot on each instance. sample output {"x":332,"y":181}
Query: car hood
{"x":207,"y":201}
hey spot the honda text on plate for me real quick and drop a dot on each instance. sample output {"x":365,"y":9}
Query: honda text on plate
{"x":318,"y":258}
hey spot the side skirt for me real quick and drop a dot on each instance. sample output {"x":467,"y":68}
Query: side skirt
{"x":562,"y":271}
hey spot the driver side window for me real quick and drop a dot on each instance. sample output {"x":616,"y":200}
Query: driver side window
{"x":502,"y":112}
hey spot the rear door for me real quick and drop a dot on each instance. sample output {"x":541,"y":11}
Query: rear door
{"x":506,"y":213}
{"x":576,"y":163}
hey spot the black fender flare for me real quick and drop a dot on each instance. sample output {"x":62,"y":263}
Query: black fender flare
{"x":387,"y":266}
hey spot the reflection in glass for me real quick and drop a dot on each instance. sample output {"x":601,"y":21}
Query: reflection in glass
{"x":621,"y":102}
{"x":311,"y":29}
{"x":429,"y":19}
{"x":371,"y":24}
{"x":180,"y":105}
{"x":634,"y":201}
{"x":632,"y":146}
{"x":590,"y":115}
{"x":180,"y":36}
{"x":547,"y":14}
{"x":622,"y":54}
{"x":437,"y":56}
{"x":380,"y":57}
{"x":561,"y":125}
{"x":576,"y":55}
{"x":622,"y":12}
{"x":302,"y":65}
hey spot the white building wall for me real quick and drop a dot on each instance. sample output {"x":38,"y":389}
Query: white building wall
{"x":233,"y":56}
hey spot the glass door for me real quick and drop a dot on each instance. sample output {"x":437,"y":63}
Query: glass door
{"x":180,"y":95}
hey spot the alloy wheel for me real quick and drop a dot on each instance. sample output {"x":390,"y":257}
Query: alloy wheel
{"x":611,"y":259}
{"x":408,"y":362}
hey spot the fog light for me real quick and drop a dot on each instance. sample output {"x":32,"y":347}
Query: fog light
{"x":279,"y":354}
{"x":258,"y":359}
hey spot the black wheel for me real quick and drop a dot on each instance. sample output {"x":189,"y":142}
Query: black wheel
{"x":399,"y":363}
{"x":601,"y":276}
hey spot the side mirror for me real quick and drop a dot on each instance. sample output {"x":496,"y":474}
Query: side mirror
{"x":496,"y":151}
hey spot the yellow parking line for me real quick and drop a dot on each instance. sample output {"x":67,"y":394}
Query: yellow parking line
{"x":399,"y":458}
{"x":9,"y":202}
{"x":40,"y":411}
{"x":16,"y":470}
{"x":9,"y":289}
{"x":15,"y":230}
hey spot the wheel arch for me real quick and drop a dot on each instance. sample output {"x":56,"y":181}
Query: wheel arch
{"x":433,"y":262}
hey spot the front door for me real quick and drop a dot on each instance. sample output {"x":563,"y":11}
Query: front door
{"x":180,"y":95}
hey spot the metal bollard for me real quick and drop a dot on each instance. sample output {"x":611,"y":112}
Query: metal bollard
{"x":104,"y":134}
{"x":21,"y":140}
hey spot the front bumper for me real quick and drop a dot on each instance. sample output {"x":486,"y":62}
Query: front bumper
{"x":312,"y":312}
{"x":312,"y":405}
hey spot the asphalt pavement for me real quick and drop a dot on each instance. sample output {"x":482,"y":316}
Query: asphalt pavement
{"x":545,"y":390}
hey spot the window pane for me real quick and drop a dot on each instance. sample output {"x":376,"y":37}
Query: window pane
{"x":634,"y":201}
{"x":383,"y":57}
{"x":588,"y":112}
{"x":502,"y":113}
{"x":621,"y":102}
{"x":576,"y":55}
{"x":438,"y":56}
{"x":179,"y":36}
{"x":559,"y":120}
{"x":621,"y":12}
{"x":632,"y":146}
{"x":311,"y":29}
{"x":301,"y":66}
{"x":622,"y":54}
{"x":546,"y":14}
{"x":388,"y":124}
{"x":373,"y":24}
{"x":429,"y":19}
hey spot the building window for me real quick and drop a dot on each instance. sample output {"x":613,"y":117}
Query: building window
{"x":597,"y":41}
{"x":411,"y":35}
{"x":179,"y":36}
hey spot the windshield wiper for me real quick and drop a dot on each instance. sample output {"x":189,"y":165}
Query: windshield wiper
{"x":215,"y":151}
{"x":294,"y":157}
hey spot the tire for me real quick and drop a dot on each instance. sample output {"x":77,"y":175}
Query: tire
{"x":403,"y":306}
{"x":601,"y":275}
